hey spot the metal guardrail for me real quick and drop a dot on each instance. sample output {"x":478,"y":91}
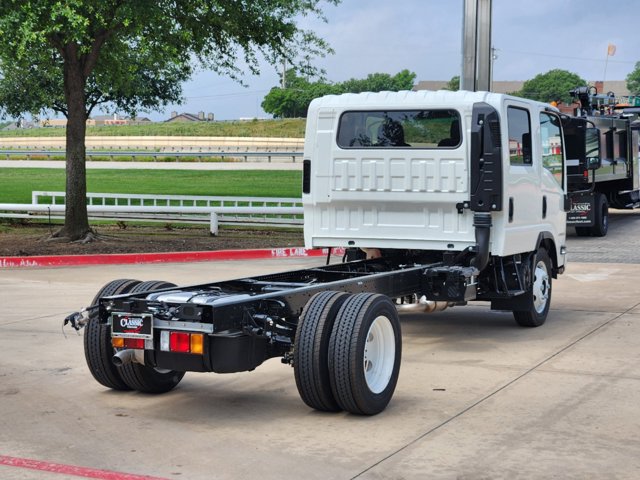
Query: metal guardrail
{"x":276,"y":212}
{"x":112,"y":154}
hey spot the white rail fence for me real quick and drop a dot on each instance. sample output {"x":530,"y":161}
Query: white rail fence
{"x":265,"y":211}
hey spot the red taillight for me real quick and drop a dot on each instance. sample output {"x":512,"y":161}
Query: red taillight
{"x":179,"y":342}
{"x":134,"y":343}
{"x":182,"y":342}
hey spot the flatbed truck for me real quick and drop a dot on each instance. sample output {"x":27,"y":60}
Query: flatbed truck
{"x":438,"y":198}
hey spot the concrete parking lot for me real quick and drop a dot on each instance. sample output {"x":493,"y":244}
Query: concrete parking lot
{"x":478,"y":397}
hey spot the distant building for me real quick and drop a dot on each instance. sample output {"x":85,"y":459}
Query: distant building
{"x":53,"y":122}
{"x":104,"y":120}
{"x":139,"y":121}
{"x":190,"y":117}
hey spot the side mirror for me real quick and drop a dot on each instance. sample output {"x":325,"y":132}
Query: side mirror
{"x":592,"y":149}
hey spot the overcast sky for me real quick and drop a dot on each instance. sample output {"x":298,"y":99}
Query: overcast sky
{"x":424,"y":36}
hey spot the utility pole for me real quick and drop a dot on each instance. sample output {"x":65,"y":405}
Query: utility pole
{"x":476,"y":46}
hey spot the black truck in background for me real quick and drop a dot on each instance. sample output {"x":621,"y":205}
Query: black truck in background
{"x":602,"y":160}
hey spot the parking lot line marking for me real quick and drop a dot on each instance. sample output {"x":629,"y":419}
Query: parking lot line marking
{"x":83,"y":472}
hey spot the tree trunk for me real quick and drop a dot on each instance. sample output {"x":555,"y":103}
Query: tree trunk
{"x":76,"y":221}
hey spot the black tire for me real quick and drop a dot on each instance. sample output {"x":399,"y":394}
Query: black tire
{"x":364,"y":353}
{"x":98,"y":350}
{"x":311,"y":349}
{"x":583,"y":231}
{"x":539,"y":294}
{"x":141,"y":377}
{"x":600,"y":216}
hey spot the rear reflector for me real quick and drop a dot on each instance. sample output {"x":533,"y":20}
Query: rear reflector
{"x":164,"y":340}
{"x":134,"y":343}
{"x":179,"y":342}
{"x":306,"y":176}
{"x":119,"y":342}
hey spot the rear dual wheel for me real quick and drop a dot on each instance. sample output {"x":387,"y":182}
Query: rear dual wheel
{"x":310,"y":355}
{"x":362,"y":352}
{"x":600,"y":219}
{"x":141,"y":377}
{"x":99,"y":351}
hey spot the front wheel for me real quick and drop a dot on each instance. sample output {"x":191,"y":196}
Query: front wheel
{"x":539,"y":294}
{"x":364,"y":353}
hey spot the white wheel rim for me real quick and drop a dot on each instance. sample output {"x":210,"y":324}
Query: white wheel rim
{"x":379,"y":354}
{"x":541,"y":287}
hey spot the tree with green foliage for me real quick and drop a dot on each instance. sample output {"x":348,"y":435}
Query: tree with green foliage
{"x":379,"y":82}
{"x":633,"y":80}
{"x":71,"y":56}
{"x":293,"y":100}
{"x":453,"y":84}
{"x":551,"y":86}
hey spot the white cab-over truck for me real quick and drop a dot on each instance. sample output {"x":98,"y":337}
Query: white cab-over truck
{"x":438,"y":198}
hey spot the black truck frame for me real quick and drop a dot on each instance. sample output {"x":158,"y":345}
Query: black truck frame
{"x":342,"y":340}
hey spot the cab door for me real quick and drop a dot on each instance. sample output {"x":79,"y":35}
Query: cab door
{"x":553,"y":180}
{"x":523,"y":195}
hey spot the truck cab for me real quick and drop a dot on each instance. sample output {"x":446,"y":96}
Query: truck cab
{"x":411,"y":171}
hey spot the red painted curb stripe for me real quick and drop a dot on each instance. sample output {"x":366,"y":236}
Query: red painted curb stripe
{"x":71,"y":470}
{"x":139,"y":258}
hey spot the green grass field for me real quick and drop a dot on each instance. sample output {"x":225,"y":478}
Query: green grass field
{"x":288,"y":128}
{"x":16,"y":184}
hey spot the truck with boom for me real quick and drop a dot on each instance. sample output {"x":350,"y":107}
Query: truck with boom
{"x":438,"y":198}
{"x":602,"y":160}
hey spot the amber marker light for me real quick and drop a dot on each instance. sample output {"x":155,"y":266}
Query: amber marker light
{"x":197,"y":343}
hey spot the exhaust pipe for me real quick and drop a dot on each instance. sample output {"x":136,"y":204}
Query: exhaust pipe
{"x":423,"y":306}
{"x":482,"y":224}
{"x":123,"y":357}
{"x":432,"y":306}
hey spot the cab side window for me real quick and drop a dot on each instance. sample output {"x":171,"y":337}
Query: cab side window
{"x":519,"y":136}
{"x":551,"y":138}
